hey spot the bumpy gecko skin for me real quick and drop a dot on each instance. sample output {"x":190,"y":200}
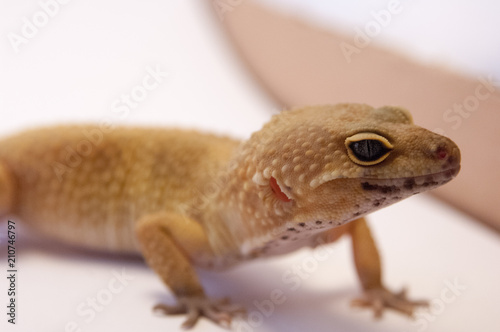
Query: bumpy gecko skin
{"x":184,"y":199}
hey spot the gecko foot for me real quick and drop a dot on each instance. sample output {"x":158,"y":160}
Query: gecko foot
{"x":219,"y":311}
{"x":380,"y":298}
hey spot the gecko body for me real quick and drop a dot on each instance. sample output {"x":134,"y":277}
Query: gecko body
{"x":184,"y":199}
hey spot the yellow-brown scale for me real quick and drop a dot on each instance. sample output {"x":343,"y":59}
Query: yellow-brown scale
{"x":93,"y":197}
{"x":305,"y":151}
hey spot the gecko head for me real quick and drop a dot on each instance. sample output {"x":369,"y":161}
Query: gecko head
{"x":327,"y":165}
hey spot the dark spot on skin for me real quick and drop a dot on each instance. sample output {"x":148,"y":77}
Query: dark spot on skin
{"x":284,"y":237}
{"x":378,"y":202}
{"x":291,"y":229}
{"x":388,"y":189}
{"x":409,"y":184}
{"x":355,"y":214}
{"x":382,"y":189}
{"x":254,"y":254}
{"x":430,"y":183}
{"x":331,"y":222}
{"x":367,"y":186}
{"x":356,"y":206}
{"x":302,"y":224}
{"x":318,"y":222}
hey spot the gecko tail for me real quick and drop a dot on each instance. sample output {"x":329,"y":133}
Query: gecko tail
{"x":7,"y":190}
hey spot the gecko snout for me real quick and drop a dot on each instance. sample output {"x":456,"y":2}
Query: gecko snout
{"x":448,"y":154}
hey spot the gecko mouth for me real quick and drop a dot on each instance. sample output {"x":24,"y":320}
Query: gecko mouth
{"x":410,"y":185}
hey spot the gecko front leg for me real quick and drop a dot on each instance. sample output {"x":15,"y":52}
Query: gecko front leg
{"x":368,"y":266}
{"x":168,"y":240}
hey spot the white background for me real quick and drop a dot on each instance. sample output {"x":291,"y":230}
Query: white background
{"x":91,"y":52}
{"x":459,"y":34}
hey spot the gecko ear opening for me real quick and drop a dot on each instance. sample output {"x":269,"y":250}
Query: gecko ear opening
{"x":275,"y":187}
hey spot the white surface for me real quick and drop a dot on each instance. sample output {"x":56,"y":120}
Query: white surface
{"x":83,"y":60}
{"x":423,"y":243}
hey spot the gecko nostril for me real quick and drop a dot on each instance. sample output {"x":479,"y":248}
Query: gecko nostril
{"x":441,"y":153}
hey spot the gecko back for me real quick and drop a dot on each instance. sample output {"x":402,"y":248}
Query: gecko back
{"x":87,"y":187}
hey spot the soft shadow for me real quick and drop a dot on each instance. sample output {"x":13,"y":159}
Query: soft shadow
{"x":28,"y":242}
{"x":304,"y":309}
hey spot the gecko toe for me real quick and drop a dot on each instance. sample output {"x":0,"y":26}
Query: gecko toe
{"x":169,"y":309}
{"x":219,"y":311}
{"x":380,"y":299}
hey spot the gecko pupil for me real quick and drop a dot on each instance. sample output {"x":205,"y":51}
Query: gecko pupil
{"x":368,"y":149}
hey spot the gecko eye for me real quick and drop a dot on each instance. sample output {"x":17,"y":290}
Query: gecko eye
{"x":367,"y":149}
{"x":275,"y":187}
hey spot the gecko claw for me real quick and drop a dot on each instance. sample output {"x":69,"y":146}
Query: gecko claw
{"x":219,"y":311}
{"x":380,"y":299}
